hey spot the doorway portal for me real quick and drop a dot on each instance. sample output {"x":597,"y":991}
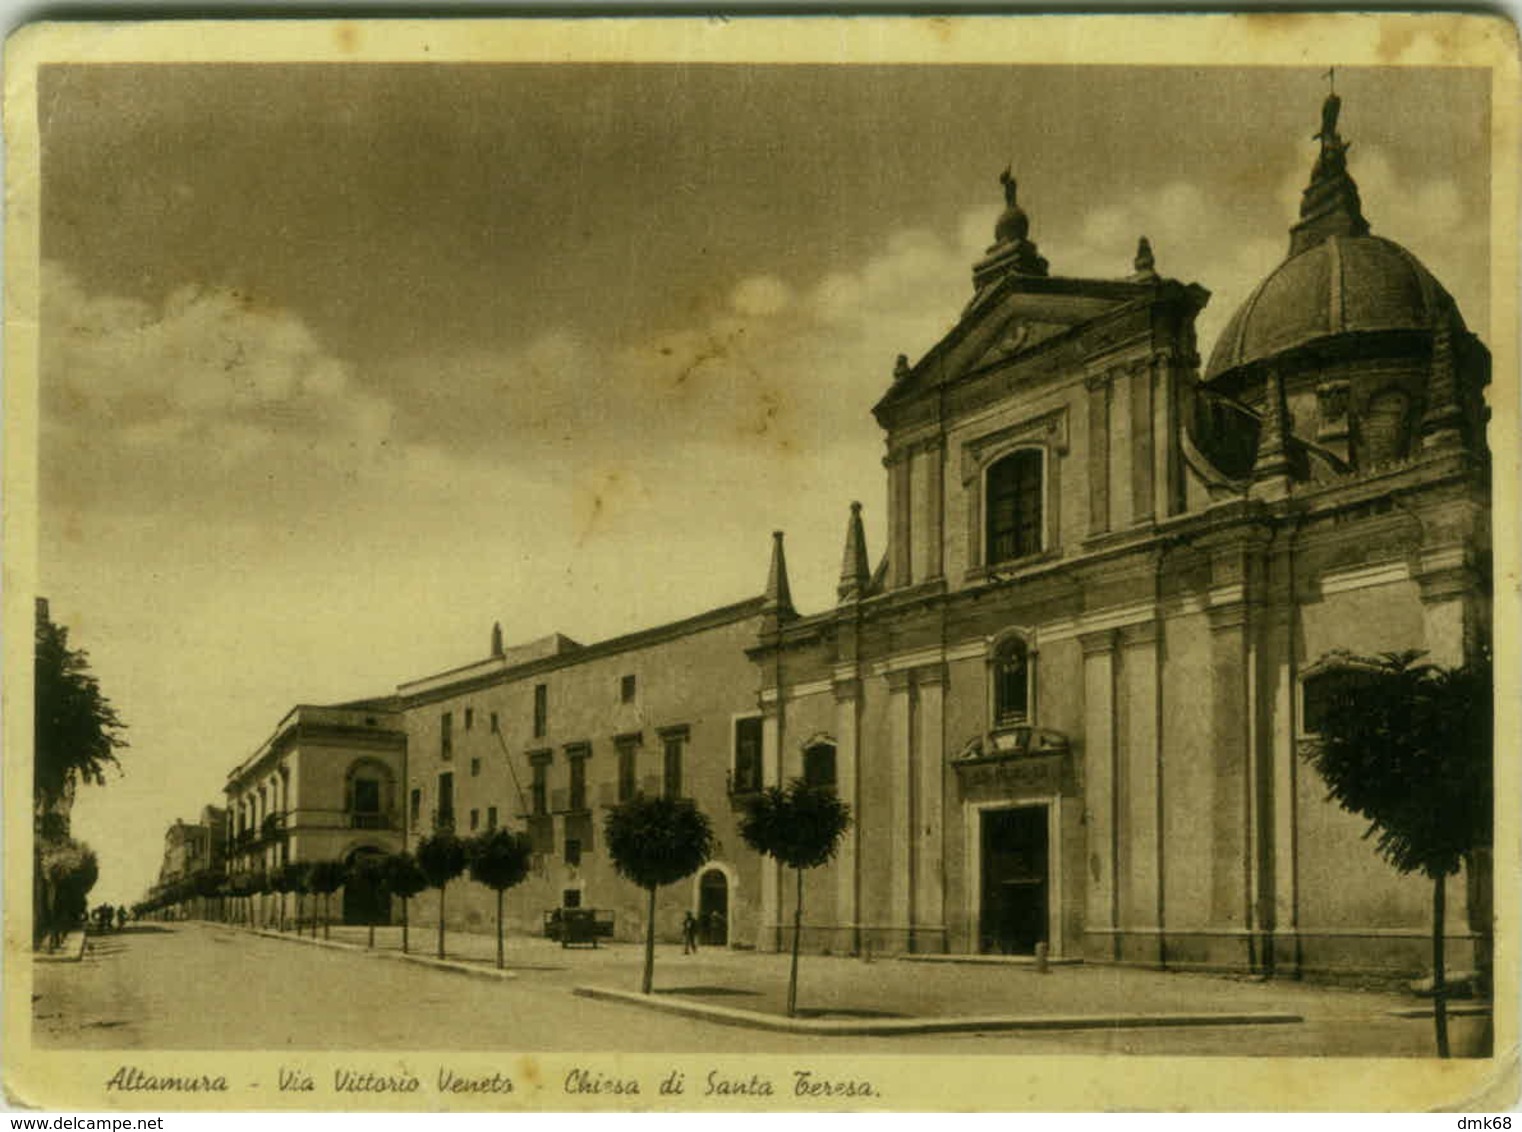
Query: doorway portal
{"x":713,"y":908}
{"x":1013,"y":913}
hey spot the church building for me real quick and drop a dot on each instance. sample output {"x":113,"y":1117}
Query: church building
{"x":1069,"y":706}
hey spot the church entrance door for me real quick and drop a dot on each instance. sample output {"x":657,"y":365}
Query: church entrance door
{"x":1014,"y":890}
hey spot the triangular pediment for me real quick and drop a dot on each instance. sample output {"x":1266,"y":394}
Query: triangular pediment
{"x":1010,"y":318}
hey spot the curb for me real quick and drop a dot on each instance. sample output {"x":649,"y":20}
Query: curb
{"x":68,"y":953}
{"x":452,"y":965}
{"x":728,"y":1016}
{"x":1454,"y":1011}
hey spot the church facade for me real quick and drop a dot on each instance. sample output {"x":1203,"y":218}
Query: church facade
{"x":1069,"y":706}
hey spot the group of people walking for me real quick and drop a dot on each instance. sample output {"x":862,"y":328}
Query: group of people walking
{"x":711,"y":927}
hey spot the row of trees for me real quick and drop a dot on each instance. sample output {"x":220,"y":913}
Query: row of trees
{"x":658,"y":841}
{"x":77,"y":734}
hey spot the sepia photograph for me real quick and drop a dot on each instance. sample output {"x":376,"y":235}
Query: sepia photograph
{"x":762,"y":564}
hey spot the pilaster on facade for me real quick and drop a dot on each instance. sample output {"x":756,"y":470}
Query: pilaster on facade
{"x":848,"y":709}
{"x":1098,"y":386}
{"x":1101,"y":783}
{"x":1450,"y":588}
{"x":928,"y":809}
{"x":900,"y":758}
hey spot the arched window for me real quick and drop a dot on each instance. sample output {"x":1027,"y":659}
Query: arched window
{"x":1014,"y":520}
{"x":1012,"y":683}
{"x":367,"y":793}
{"x":819,"y":765}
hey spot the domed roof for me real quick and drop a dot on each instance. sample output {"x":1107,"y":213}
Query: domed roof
{"x":1340,"y":285}
{"x":1338,"y":278}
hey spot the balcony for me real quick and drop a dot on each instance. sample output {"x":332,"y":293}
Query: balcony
{"x":359,"y":820}
{"x":443,"y":820}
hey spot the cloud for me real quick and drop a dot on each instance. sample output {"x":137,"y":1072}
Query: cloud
{"x":209,"y":388}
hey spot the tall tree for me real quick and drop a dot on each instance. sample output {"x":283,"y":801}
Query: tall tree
{"x":442,"y":858}
{"x":1409,"y":747}
{"x":653,"y":842}
{"x":405,"y":879}
{"x":78,"y":731}
{"x":326,"y":877}
{"x":500,"y":860}
{"x":799,"y":826}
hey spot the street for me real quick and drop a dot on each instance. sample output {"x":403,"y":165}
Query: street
{"x":205,"y":986}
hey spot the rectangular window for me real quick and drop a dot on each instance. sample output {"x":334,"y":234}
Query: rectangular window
{"x":496,"y":728}
{"x":475,"y":768}
{"x":446,"y":736}
{"x":671,"y":776}
{"x":444,"y":819}
{"x":572,"y":851}
{"x":491,"y":817}
{"x":475,"y":820}
{"x":415,"y":807}
{"x":570,"y":898}
{"x":626,"y":688}
{"x":541,"y":788}
{"x":627,"y":782}
{"x":578,"y":800}
{"x":819,"y":766}
{"x":747,"y":772}
{"x":470,"y":718}
{"x":541,"y":710}
{"x":1014,"y":506}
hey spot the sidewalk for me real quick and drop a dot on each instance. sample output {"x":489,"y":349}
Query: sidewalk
{"x":839,"y":988}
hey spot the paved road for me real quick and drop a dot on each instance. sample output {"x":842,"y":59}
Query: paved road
{"x":200,"y":986}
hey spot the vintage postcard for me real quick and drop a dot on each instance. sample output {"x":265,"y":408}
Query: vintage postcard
{"x":795,"y":564}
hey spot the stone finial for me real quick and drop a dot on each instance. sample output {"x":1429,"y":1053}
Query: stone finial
{"x":496,"y":639}
{"x":777,"y":602}
{"x":1013,"y":251}
{"x":901,"y":368}
{"x":855,"y":574}
{"x":1144,"y":266}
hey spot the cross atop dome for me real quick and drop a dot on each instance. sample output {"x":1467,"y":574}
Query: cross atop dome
{"x":1329,"y":206}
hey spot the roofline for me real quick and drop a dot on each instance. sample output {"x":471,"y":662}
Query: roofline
{"x":289,"y":720}
{"x":639,"y":638}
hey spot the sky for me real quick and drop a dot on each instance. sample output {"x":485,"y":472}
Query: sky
{"x":342,"y":364}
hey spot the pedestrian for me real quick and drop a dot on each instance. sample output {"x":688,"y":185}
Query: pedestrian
{"x":689,"y":934}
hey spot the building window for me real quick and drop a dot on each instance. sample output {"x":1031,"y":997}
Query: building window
{"x":491,"y":818}
{"x":496,"y":728}
{"x":446,"y":736}
{"x":671,"y":763}
{"x":475,"y":820}
{"x":628,"y":784}
{"x":819,"y":765}
{"x":578,"y":799}
{"x":470,"y":718}
{"x":541,"y":788}
{"x":541,"y":710}
{"x":570,"y":898}
{"x":626,"y":688}
{"x":444,"y":818}
{"x":415,"y":807}
{"x":572,"y":851}
{"x":1014,"y":518}
{"x":475,"y":768}
{"x":746,"y":777}
{"x":1011,"y":671}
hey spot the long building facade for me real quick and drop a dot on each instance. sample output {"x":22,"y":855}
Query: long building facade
{"x":1070,"y":708}
{"x":548,"y":736}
